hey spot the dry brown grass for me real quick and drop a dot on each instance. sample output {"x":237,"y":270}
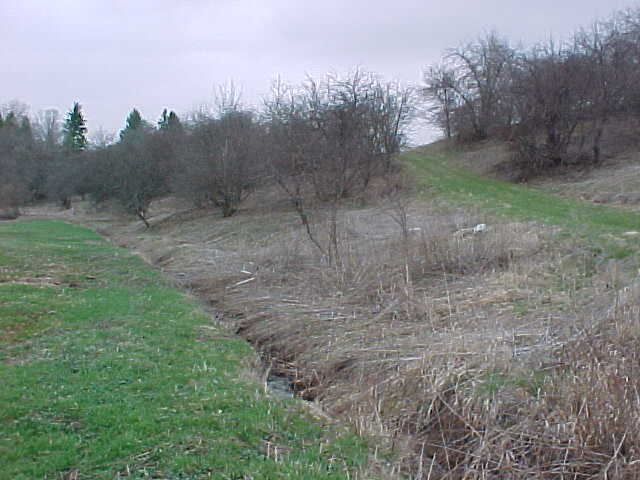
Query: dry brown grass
{"x":443,"y":366}
{"x":504,"y":354}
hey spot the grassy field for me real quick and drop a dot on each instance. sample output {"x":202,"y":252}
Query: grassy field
{"x":106,"y":371}
{"x":606,"y":226}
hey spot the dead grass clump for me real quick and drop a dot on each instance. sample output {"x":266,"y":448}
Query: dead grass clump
{"x":351,"y":334}
{"x":476,"y":419}
{"x":438,"y":365}
{"x":463,"y":253}
{"x":595,"y":396}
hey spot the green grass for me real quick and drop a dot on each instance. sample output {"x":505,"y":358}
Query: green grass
{"x":107,"y":371}
{"x":603,"y":225}
{"x":493,"y":382}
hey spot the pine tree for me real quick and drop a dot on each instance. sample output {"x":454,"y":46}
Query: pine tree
{"x":174,"y":124}
{"x":25,"y":132}
{"x":170,"y":122}
{"x":163,"y":123}
{"x":135,"y":123}
{"x":75,"y":130}
{"x":11,"y":121}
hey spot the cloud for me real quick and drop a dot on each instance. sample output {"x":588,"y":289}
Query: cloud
{"x":152,"y":54}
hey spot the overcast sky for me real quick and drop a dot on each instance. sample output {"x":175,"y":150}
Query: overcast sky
{"x":113,"y":55}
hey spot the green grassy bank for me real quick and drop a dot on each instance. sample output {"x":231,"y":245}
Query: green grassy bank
{"x":106,"y":371}
{"x":606,"y":226}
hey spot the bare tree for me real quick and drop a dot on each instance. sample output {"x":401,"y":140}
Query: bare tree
{"x":12,"y":183}
{"x":228,"y":98}
{"x":131,"y":172}
{"x":390,"y":114}
{"x":608,"y":52}
{"x":360,"y":124}
{"x":101,"y":138}
{"x":469,"y":90}
{"x":22,"y":160}
{"x":291,"y":145}
{"x":329,"y":138}
{"x":14,"y":107}
{"x":221,"y":156}
{"x":440,"y":90}
{"x":554,"y":97}
{"x":48,"y":127}
{"x":138,"y":179}
{"x":554,"y":101}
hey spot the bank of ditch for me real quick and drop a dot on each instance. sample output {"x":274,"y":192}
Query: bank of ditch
{"x":107,"y":371}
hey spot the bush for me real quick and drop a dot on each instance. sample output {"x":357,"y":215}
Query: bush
{"x":11,"y":197}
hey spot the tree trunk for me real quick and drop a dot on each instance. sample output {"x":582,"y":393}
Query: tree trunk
{"x":142,"y":216}
{"x":228,"y":208}
{"x":597,"y":140}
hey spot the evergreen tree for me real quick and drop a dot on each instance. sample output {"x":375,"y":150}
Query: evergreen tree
{"x":11,"y":121}
{"x":163,"y":123}
{"x":135,"y":123}
{"x":75,"y":130}
{"x":25,"y":132}
{"x":174,"y":124}
{"x":170,"y":122}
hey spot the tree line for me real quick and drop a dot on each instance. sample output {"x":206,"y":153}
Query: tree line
{"x":319,"y":141}
{"x":322,"y":141}
{"x":553,"y":101}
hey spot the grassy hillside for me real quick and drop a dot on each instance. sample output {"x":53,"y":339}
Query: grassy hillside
{"x":603,"y":225}
{"x":108,"y":372}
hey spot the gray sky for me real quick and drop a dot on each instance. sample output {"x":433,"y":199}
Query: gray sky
{"x":113,"y":55}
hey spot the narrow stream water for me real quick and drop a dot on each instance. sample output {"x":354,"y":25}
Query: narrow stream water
{"x":280,"y":386}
